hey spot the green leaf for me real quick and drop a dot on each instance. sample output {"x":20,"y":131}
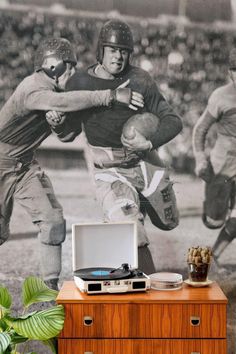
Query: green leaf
{"x":42,"y":325}
{"x":16,"y":338}
{"x":5,"y":340}
{"x":26,"y":315}
{"x":35,"y":290}
{"x":5,"y":298}
{"x":3,"y":325}
{"x":52,"y":344}
{"x":9,"y":319}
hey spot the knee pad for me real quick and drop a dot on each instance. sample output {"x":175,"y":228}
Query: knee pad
{"x":52,"y":232}
{"x":230,"y":226}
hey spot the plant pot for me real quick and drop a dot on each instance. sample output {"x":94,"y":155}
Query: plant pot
{"x":198,"y":272}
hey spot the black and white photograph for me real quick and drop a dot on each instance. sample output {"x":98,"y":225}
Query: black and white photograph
{"x":117,"y":176}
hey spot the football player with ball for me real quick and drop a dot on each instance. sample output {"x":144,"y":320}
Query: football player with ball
{"x":130,"y":182}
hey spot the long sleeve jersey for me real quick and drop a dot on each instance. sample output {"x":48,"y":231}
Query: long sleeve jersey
{"x":103,"y":126}
{"x":23,"y":125}
{"x":220,"y":111}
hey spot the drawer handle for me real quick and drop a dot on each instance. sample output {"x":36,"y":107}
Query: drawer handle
{"x":93,"y":353}
{"x":88,"y":321}
{"x":191,"y":353}
{"x":195,"y":321}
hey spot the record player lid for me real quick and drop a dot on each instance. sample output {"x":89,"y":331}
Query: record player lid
{"x":104,"y":245}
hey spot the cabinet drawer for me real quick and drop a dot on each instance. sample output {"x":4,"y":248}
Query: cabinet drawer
{"x":145,"y":321}
{"x":141,"y":346}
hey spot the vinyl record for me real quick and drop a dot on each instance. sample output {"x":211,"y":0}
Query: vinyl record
{"x":102,"y":273}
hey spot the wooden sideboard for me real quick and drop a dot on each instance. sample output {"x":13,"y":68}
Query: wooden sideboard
{"x":186,"y":321}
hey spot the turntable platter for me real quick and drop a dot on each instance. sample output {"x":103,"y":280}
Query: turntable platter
{"x":103,"y":273}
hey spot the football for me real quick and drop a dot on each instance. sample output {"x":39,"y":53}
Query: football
{"x":146,"y":124}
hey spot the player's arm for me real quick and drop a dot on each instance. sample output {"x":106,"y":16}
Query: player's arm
{"x":71,"y":127}
{"x":46,"y":100}
{"x":203,"y":167}
{"x":170,"y":122}
{"x":210,"y":116}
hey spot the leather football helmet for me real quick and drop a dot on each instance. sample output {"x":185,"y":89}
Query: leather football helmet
{"x":52,"y":56}
{"x":114,"y":33}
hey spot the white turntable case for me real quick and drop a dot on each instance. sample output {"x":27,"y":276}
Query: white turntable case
{"x":104,"y":245}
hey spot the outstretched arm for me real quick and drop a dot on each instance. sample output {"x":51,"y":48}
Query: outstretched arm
{"x":68,"y":126}
{"x":47,"y":100}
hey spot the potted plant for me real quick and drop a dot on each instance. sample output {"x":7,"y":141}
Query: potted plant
{"x":43,"y":325}
{"x":199,"y":260}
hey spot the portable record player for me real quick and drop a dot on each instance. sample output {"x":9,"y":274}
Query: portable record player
{"x":105,"y":258}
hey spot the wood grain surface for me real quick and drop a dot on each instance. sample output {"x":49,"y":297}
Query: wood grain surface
{"x":141,"y":346}
{"x":145,"y":321}
{"x":213,"y":294}
{"x":186,"y":321}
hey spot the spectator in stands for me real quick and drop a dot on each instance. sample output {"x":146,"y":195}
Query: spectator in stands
{"x":219,"y":169}
{"x":22,"y":129}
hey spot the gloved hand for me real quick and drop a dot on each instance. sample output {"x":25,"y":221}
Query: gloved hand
{"x":125,"y":95}
{"x":136,"y":141}
{"x":55,"y":118}
{"x":204,"y":169}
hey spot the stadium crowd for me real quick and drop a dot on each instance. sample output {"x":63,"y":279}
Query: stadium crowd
{"x":188,"y":62}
